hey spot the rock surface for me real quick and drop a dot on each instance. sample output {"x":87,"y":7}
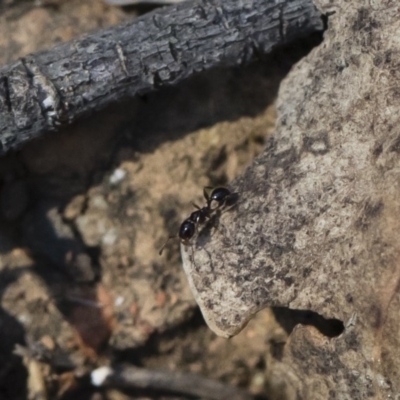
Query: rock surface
{"x":316,"y":224}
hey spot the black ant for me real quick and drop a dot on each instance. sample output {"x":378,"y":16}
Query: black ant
{"x":219,"y":197}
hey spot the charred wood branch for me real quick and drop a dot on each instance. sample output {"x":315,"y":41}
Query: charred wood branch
{"x":50,"y":89}
{"x":126,"y":377}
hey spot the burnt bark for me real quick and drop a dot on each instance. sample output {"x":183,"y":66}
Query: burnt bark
{"x":189,"y":385}
{"x":46,"y":90}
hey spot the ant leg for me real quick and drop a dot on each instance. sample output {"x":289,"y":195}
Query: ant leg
{"x":205,"y":193}
{"x":191,"y":256}
{"x":162,"y":248}
{"x":196,"y":206}
{"x":193,"y":260}
{"x":231,"y":199}
{"x":224,"y":235}
{"x":217,"y":225}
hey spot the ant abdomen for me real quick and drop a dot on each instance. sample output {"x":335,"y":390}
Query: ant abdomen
{"x":219,"y":197}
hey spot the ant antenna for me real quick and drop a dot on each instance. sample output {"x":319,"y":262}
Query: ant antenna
{"x":163,"y":247}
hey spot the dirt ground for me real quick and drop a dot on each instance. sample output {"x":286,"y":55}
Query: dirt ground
{"x":85,"y":211}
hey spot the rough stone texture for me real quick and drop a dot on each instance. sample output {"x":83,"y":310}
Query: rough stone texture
{"x":316,"y":226}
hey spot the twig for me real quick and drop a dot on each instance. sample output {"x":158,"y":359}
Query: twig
{"x":164,"y":381}
{"x":36,"y":384}
{"x":49,"y":89}
{"x":130,"y":2}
